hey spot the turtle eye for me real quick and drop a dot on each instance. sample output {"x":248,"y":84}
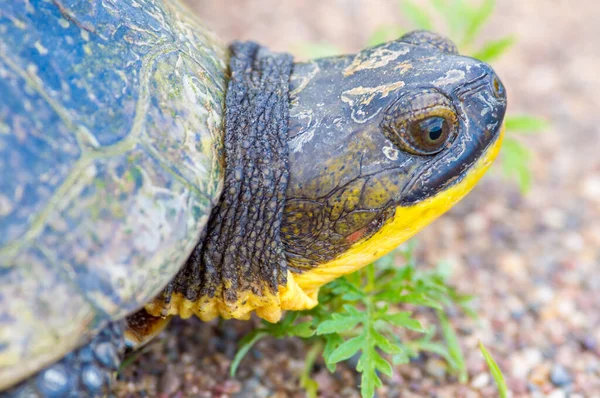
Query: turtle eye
{"x":422,"y":124}
{"x":429,"y":134}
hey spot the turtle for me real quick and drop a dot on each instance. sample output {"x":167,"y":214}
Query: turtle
{"x":148,"y":171}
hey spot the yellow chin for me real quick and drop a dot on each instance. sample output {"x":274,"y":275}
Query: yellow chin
{"x":301,"y":290}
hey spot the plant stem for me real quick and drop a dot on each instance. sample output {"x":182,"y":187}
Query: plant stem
{"x":310,"y":385}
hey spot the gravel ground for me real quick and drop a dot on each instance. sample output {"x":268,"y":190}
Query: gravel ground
{"x":532,"y":261}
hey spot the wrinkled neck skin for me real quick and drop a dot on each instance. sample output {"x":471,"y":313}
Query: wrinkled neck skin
{"x":239,"y":263}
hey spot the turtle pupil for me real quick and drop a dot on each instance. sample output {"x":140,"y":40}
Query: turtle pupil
{"x":433,"y":127}
{"x":435,"y":134}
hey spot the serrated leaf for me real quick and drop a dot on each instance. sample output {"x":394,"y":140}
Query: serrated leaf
{"x":303,"y":330}
{"x":332,"y":341}
{"x":494,"y":49}
{"x":404,"y":320}
{"x":383,"y":366}
{"x":416,"y":15}
{"x":369,"y":378}
{"x":338,"y":323}
{"x":348,"y":291}
{"x":454,"y":348}
{"x":368,"y":385}
{"x":347,"y":349}
{"x":245,"y":345}
{"x":419,"y":299}
{"x":384,"y":344}
{"x":495,"y":370}
{"x":525,"y":124}
{"x":352,"y":310}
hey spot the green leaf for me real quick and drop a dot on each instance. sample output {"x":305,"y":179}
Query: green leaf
{"x":525,"y":124}
{"x":384,"y":344}
{"x":494,"y":49}
{"x":495,"y":370}
{"x":383,"y":366}
{"x":367,"y":366}
{"x":477,"y":20}
{"x":416,"y":15}
{"x":347,"y":291}
{"x":419,"y":299}
{"x":515,"y":163}
{"x":332,"y":341}
{"x":453,"y":346}
{"x":303,"y":330}
{"x":347,"y":349}
{"x":245,"y":345}
{"x":338,"y":323}
{"x":404,"y":320}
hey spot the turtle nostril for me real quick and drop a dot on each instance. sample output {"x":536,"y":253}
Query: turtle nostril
{"x":499,"y":91}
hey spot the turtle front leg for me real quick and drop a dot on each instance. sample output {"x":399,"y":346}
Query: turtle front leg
{"x":85,"y":372}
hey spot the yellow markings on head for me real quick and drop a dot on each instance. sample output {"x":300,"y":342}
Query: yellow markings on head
{"x":301,"y":290}
{"x":374,"y":59}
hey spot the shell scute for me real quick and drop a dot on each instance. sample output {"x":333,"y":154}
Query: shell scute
{"x":110,"y":163}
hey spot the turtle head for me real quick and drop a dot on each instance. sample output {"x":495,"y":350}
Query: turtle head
{"x":382,"y":143}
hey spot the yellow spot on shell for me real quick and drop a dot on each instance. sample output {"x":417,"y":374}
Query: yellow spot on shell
{"x":63,"y":22}
{"x":40,"y":48}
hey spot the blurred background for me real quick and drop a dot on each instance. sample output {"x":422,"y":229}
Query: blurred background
{"x":528,"y":247}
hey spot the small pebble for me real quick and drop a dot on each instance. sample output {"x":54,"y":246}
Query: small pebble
{"x":589,"y":343}
{"x":480,"y":381}
{"x":436,"y":368}
{"x":559,"y":376}
{"x":557,"y":394}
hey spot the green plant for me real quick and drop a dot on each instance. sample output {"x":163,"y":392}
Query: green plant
{"x":358,"y":315}
{"x":462,"y":21}
{"x":495,"y":370}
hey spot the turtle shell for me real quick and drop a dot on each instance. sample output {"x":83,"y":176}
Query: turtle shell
{"x":110,"y":163}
